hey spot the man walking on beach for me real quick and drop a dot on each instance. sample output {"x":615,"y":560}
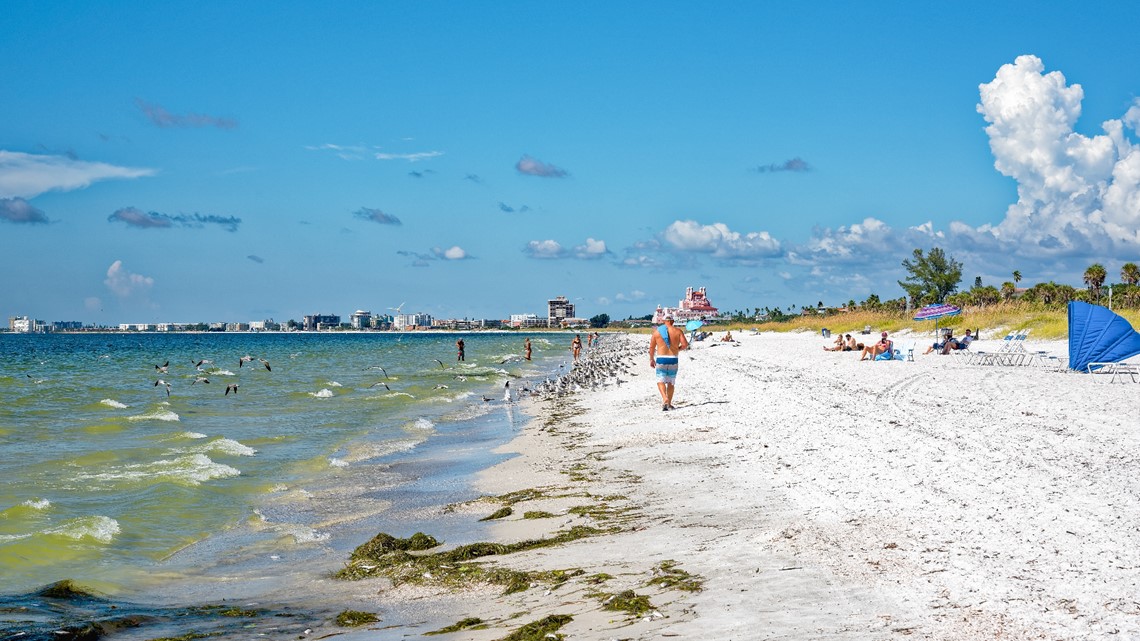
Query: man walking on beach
{"x":664,"y":346}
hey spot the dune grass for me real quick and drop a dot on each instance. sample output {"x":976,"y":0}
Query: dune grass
{"x":992,"y":322}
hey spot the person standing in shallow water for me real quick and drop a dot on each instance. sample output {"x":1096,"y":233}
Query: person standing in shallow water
{"x":526,"y":348}
{"x":664,"y":346}
{"x":576,"y":345}
{"x":459,"y":346}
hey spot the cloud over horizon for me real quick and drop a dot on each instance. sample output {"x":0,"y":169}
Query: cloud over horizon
{"x":29,"y":175}
{"x":158,"y":115}
{"x":455,"y":252}
{"x":125,"y":284}
{"x":134,"y":217}
{"x":534,"y":167}
{"x":719,"y":241}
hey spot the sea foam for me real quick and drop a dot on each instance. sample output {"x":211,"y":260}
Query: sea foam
{"x":324,"y":393}
{"x":110,"y":402}
{"x":37,"y":504}
{"x":193,"y":469}
{"x":156,"y":415}
{"x":101,"y":529}
{"x":222,"y":446}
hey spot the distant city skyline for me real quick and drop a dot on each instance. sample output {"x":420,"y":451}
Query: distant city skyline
{"x":160,"y":164}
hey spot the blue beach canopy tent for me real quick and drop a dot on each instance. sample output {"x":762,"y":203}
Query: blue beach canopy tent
{"x":1097,"y":335}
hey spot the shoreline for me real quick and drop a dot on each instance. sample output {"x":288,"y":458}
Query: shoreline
{"x":814,"y":496}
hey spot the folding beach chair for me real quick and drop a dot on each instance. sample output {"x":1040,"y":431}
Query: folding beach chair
{"x":982,"y":357}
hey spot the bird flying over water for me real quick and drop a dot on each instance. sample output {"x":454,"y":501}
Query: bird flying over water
{"x":200,"y":379}
{"x":266,"y":364}
{"x":440,"y":363}
{"x":379,"y":368}
{"x":161,"y":369}
{"x":164,"y":383}
{"x":231,"y":386}
{"x":380,"y":383}
{"x":244,"y":359}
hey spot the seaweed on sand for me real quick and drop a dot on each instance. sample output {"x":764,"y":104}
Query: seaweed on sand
{"x":470,"y":623}
{"x":500,"y":513}
{"x":355,"y":618}
{"x":455,"y":568}
{"x":668,"y":575}
{"x":546,"y":628}
{"x":627,"y":601}
{"x":384,"y":543}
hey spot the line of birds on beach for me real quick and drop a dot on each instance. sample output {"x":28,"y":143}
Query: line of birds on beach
{"x":598,"y":369}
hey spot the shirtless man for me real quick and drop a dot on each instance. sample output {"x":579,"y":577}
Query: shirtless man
{"x":664,"y":346}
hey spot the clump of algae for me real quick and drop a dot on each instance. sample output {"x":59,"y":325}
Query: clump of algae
{"x":470,"y":623}
{"x":629,"y":602}
{"x":674,"y":578}
{"x":545,"y":628}
{"x":355,"y":618}
{"x":455,"y":568}
{"x":500,"y":513}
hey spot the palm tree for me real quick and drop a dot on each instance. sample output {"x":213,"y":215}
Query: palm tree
{"x":1007,"y":289}
{"x":1016,"y":277}
{"x":1094,"y":278}
{"x":1130,"y":273}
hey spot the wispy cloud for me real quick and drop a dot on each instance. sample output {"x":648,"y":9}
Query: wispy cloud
{"x":797,"y":164}
{"x":29,"y":175}
{"x":158,"y":115}
{"x":256,"y":259}
{"x":376,"y":216}
{"x":412,"y":157}
{"x":474,"y":178}
{"x":534,"y":167}
{"x":20,"y":211}
{"x":134,"y":217}
{"x":125,"y":284}
{"x":632,"y":297}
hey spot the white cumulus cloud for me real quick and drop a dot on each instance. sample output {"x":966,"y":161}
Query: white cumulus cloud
{"x":1076,"y":194}
{"x":720,"y":241}
{"x":454,"y":252}
{"x":544,"y":249}
{"x":29,"y":175}
{"x":591,"y":249}
{"x":124,"y":283}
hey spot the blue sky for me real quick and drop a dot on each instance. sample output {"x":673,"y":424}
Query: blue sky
{"x":215,"y":162}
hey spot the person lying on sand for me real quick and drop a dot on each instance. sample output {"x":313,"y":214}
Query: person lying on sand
{"x":884,"y":346}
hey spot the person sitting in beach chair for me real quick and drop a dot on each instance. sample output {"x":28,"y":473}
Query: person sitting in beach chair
{"x":947,"y":336}
{"x":956,"y":343}
{"x":884,"y":346}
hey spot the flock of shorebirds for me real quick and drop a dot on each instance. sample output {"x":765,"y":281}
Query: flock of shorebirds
{"x":202,"y":374}
{"x":598,"y":369}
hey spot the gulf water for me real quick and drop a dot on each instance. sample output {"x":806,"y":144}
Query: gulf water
{"x":113,"y":479}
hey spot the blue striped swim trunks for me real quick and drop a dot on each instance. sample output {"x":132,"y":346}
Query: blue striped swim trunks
{"x":667,"y":369}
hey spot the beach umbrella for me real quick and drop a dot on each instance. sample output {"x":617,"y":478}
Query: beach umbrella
{"x":693,"y":324}
{"x":937,"y":312}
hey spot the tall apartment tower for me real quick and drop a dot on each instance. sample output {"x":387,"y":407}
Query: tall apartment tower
{"x":559,"y":309}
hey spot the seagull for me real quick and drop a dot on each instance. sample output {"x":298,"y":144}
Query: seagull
{"x":441,"y":386}
{"x":161,"y":369}
{"x":266,"y":364}
{"x":380,"y":383}
{"x":440,"y":363}
{"x":244,"y":359}
{"x":198,"y":365}
{"x":200,"y":379}
{"x":231,"y":386}
{"x":379,"y":368}
{"x":162,"y":382}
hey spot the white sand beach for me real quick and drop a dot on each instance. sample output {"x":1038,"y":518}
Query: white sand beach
{"x":819,"y":497}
